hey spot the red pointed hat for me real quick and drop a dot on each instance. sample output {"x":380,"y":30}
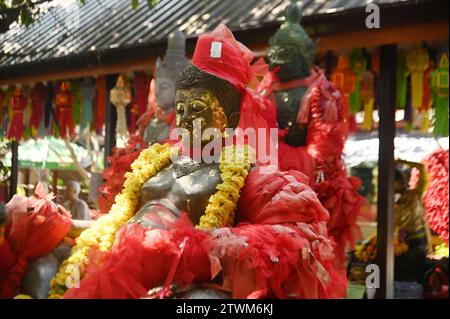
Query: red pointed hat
{"x":219,"y":53}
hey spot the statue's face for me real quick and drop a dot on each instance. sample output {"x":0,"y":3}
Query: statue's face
{"x":289,"y":59}
{"x":165,"y":92}
{"x":199,"y":104}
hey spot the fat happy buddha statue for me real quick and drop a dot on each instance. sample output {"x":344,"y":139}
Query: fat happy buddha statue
{"x":312,"y":126}
{"x":188,"y":228}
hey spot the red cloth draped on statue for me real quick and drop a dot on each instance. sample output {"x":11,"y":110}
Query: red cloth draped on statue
{"x":282,"y":255}
{"x":114,"y":175}
{"x":322,"y":109}
{"x":35,"y":228}
{"x":279,"y":249}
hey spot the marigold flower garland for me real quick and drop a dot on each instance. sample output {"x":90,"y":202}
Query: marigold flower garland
{"x":102,"y":232}
{"x":234,"y":167}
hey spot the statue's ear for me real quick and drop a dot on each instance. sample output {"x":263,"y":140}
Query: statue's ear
{"x":233,"y":120}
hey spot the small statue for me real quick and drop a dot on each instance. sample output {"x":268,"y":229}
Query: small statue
{"x":120,"y":96}
{"x":162,"y":104}
{"x":77,"y":207}
{"x":312,"y":124}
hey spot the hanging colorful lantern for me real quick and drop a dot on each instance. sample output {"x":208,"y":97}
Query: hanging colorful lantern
{"x":141,"y":84}
{"x":358,"y":64}
{"x":75,"y":88}
{"x":440,"y":89}
{"x":17,"y":105}
{"x":88,"y":95}
{"x":37,"y":102}
{"x":64,"y":103}
{"x":345,"y":80}
{"x":120,"y":97}
{"x":426,"y":98}
{"x":100,"y":102}
{"x":402,"y":76}
{"x":417,"y":60}
{"x":367,"y":99}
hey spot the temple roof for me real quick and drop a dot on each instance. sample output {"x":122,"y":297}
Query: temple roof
{"x":70,"y":29}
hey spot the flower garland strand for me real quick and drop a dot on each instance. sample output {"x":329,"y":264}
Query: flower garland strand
{"x":234,"y":168}
{"x":102,"y":232}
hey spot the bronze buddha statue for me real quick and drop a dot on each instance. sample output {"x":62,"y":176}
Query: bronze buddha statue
{"x":291,"y":51}
{"x":186,"y":185}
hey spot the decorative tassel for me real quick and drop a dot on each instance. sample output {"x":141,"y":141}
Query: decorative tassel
{"x":64,"y":102}
{"x":37,"y":103}
{"x":402,"y":75}
{"x":440,"y":89}
{"x":88,"y":95}
{"x":367,"y":98}
{"x":17,"y":105}
{"x":75,"y":88}
{"x":344,"y":79}
{"x":409,"y":115}
{"x":375,"y":63}
{"x":48,"y":106}
{"x":358,"y":64}
{"x":426,"y":98}
{"x":99,"y":118}
{"x":417,"y":62}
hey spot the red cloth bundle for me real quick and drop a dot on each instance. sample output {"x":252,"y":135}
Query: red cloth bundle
{"x":288,"y":260}
{"x":435,"y":197}
{"x":36,"y":227}
{"x":114,"y":176}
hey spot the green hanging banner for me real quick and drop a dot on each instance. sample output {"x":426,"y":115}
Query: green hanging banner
{"x":358,"y":64}
{"x":402,"y":75}
{"x":75,"y":86}
{"x":440,"y":89}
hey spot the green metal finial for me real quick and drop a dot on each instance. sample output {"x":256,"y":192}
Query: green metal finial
{"x":293,"y":14}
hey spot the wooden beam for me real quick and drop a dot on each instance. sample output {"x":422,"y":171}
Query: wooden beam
{"x":111,"y":119}
{"x":386,"y":165}
{"x":13,"y":179}
{"x":403,"y":34}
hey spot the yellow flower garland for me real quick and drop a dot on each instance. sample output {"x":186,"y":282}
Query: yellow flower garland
{"x":234,"y":167}
{"x":102,"y":232}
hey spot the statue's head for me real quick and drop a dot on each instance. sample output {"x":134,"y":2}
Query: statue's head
{"x":167,"y":69}
{"x":205,"y":97}
{"x":290,"y":48}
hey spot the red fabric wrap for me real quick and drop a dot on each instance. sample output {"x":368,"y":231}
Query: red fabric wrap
{"x":234,"y":66}
{"x":322,"y":109}
{"x":114,"y":175}
{"x":32,"y":234}
{"x":291,"y":258}
{"x":435,"y":197}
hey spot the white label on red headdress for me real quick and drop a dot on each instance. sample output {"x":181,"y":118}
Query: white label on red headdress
{"x":216,"y":49}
